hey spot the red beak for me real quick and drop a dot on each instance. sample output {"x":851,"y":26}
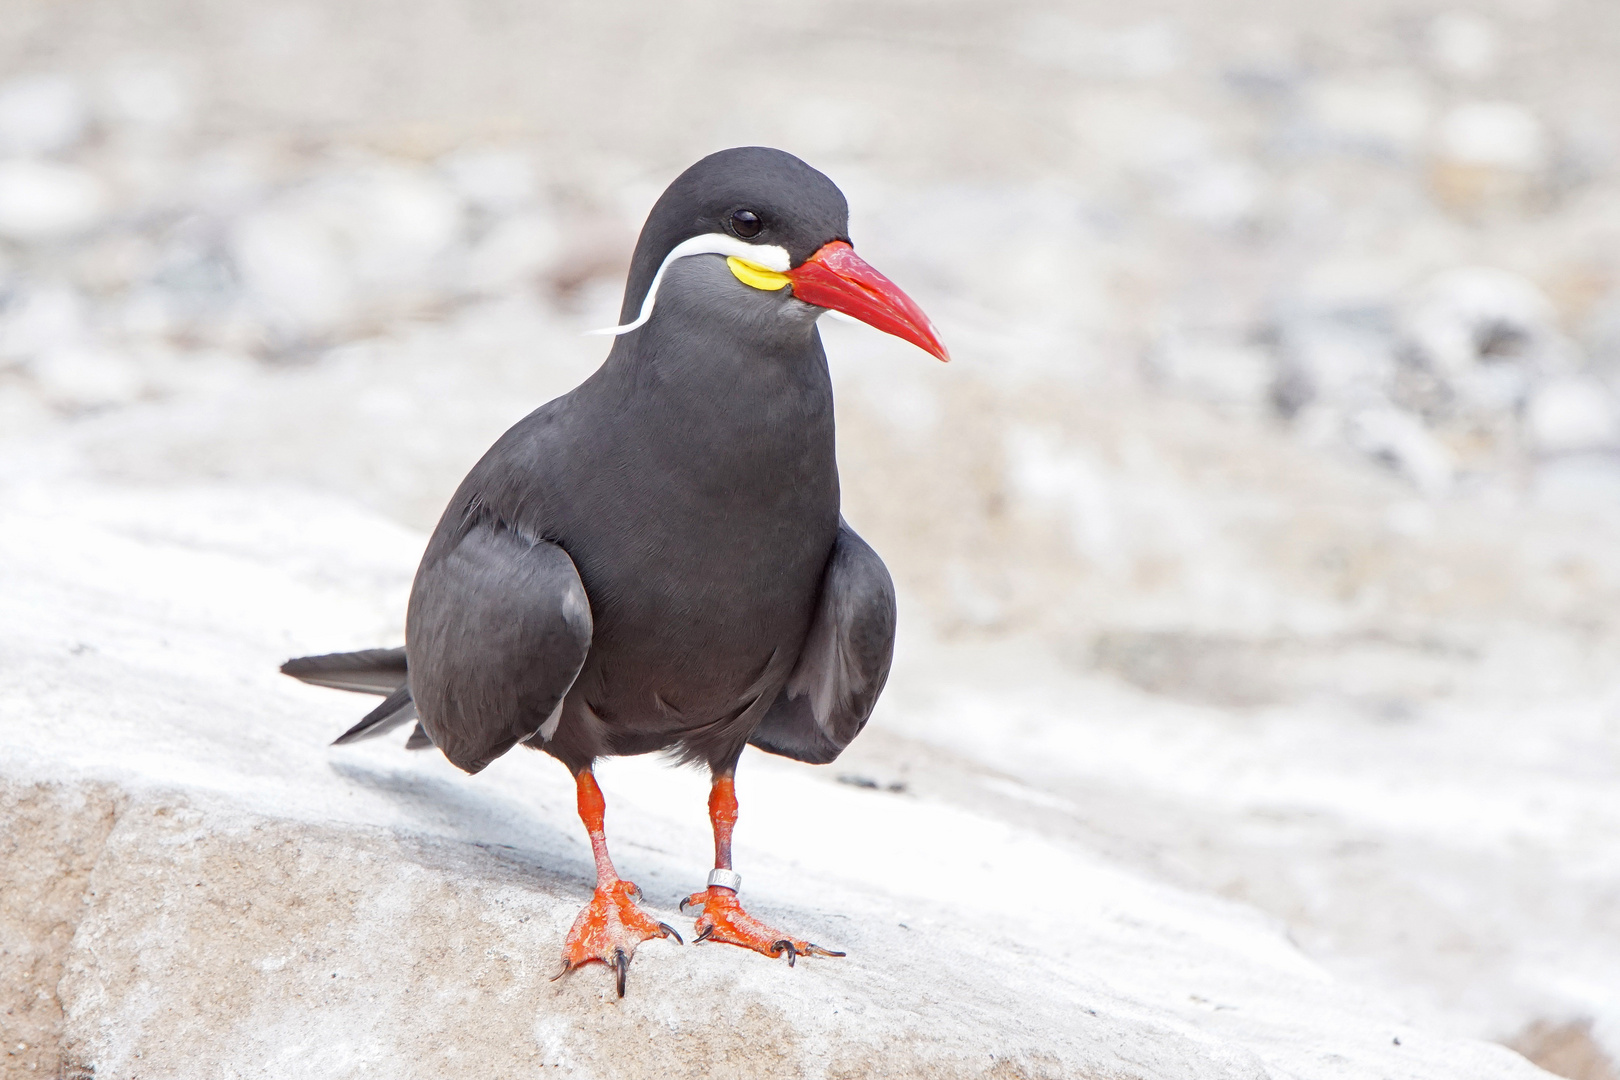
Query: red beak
{"x":835,"y":277}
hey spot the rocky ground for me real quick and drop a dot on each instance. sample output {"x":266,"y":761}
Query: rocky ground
{"x":1257,"y":551}
{"x":198,"y":885}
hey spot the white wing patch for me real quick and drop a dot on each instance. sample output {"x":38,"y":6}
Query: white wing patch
{"x":549,"y":728}
{"x":767,"y":255}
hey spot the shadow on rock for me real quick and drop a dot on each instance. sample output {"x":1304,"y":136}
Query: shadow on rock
{"x":512,"y":833}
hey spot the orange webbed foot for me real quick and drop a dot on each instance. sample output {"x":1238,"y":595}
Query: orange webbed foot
{"x":723,"y":919}
{"x":608,"y":930}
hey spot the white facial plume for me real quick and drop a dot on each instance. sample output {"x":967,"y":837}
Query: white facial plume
{"x":767,"y":255}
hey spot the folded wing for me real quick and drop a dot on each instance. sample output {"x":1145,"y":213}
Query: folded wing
{"x":844,"y":663}
{"x":497,"y":631}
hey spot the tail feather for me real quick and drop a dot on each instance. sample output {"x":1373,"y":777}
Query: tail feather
{"x":396,"y":709}
{"x":370,"y":671}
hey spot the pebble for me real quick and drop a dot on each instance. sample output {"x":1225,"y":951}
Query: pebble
{"x":42,"y":201}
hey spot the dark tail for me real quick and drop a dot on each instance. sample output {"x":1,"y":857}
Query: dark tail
{"x":370,"y":671}
{"x":397,"y":708}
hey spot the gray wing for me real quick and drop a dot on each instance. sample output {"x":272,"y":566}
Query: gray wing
{"x":497,"y":631}
{"x":845,"y":660}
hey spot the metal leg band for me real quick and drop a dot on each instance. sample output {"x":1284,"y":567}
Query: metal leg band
{"x":726,"y":879}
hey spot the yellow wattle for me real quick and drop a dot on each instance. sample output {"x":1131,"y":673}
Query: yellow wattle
{"x":756,"y":275}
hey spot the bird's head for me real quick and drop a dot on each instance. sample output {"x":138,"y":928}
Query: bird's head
{"x":780,"y":229}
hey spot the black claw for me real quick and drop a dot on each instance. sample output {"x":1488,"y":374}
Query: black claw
{"x":826,"y":952}
{"x":703,"y":935}
{"x":777,"y":947}
{"x":670,"y":930}
{"x":566,"y":969}
{"x":622,"y":962}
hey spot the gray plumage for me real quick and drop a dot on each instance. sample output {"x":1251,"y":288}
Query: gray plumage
{"x":370,"y":671}
{"x":397,"y":709}
{"x":655,"y":561}
{"x":843,"y":663}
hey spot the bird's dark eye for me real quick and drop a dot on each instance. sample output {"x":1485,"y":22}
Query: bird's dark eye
{"x":746,"y":223}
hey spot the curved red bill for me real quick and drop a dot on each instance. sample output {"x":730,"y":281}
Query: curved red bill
{"x":835,"y":277}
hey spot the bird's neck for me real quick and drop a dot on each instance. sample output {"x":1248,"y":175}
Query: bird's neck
{"x":701,"y":366}
{"x":741,"y":419}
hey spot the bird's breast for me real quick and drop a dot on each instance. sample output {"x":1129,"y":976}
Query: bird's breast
{"x":706,"y":531}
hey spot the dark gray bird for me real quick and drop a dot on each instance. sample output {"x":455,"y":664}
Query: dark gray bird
{"x":656,"y":560}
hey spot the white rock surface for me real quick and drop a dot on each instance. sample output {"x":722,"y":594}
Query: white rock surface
{"x":223,"y":894}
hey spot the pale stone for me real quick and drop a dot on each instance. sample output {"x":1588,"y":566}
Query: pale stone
{"x":1493,"y":134}
{"x":513,"y":253}
{"x":1401,"y":440}
{"x":150,"y":96}
{"x":493,"y":179}
{"x":1387,"y":110}
{"x":40,"y":114}
{"x":1458,"y":315}
{"x":42,"y":201}
{"x":1465,"y":43}
{"x":1146,"y":50}
{"x":42,"y":318}
{"x":1572,"y":414}
{"x":87,"y":378}
{"x":314,"y":258}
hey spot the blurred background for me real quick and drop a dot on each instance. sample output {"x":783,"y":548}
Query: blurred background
{"x":1266,"y":526}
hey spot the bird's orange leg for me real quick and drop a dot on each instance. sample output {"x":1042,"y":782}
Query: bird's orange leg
{"x":611,"y":926}
{"x":721,"y":917}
